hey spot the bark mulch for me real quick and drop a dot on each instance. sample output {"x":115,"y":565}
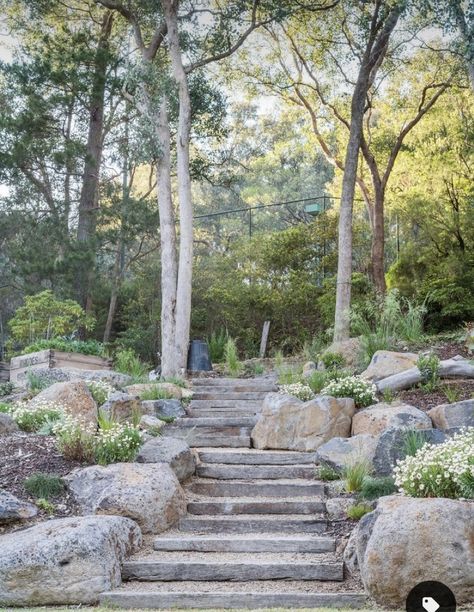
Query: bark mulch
{"x":425,"y":400}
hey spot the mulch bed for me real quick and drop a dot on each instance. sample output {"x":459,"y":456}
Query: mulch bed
{"x":21,"y":456}
{"x":425,"y":400}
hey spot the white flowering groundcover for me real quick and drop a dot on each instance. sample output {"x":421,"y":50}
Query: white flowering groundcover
{"x":443,"y":470}
{"x":302,"y":392}
{"x":363,"y":392}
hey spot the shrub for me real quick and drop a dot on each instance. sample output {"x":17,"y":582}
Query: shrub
{"x":388,"y":395}
{"x":328,"y":473}
{"x":333,"y":361}
{"x":363,"y":392}
{"x":36,"y":383}
{"x":126,"y":361}
{"x":373,"y":488}
{"x":357,"y":511}
{"x":443,"y":470}
{"x":6,"y":388}
{"x":75,"y":440}
{"x":44,"y":485}
{"x":302,"y":392}
{"x":354,"y":475}
{"x":119,"y":442}
{"x":155,"y":392}
{"x":289,"y":375}
{"x":100,"y":390}
{"x":453,"y":394}
{"x":217,"y":341}
{"x":32,"y":417}
{"x":68,"y":345}
{"x":317,"y":380}
{"x":429,"y":370}
{"x":232,"y":363}
{"x":45,"y":505}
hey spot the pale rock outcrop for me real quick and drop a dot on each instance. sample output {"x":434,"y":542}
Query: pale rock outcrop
{"x":342,"y":452}
{"x":459,"y":414}
{"x":174,"y":451}
{"x":379,"y":417}
{"x":387,"y":363}
{"x":73,"y":396}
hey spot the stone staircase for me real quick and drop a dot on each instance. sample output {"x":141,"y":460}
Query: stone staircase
{"x":255,"y":519}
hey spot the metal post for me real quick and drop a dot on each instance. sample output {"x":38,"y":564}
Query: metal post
{"x":250,"y":223}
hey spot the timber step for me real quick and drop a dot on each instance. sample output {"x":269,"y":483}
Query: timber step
{"x":255,"y":506}
{"x":231,"y":570}
{"x":251,"y":472}
{"x":264,"y":488}
{"x":208,"y":439}
{"x":212,"y":413}
{"x":256,"y":457}
{"x":226,"y":403}
{"x":211,"y":394}
{"x":245,"y":523}
{"x":242,"y":543}
{"x":219,"y":423}
{"x":196,"y":598}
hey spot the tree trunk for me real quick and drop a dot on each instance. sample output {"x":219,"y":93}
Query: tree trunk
{"x":88,"y":201}
{"x":378,"y":243}
{"x":185,"y":266}
{"x":114,"y":293}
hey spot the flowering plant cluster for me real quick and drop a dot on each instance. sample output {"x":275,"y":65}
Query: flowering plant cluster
{"x":443,"y":470}
{"x":302,"y":392}
{"x":75,"y":438}
{"x":100,"y":390}
{"x":34,"y":415}
{"x":363,"y":392}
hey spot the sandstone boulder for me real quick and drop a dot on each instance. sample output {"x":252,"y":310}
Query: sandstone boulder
{"x":337,"y":507}
{"x":14,"y":509}
{"x":349,"y":349}
{"x":286,"y":422}
{"x":387,"y":363}
{"x":459,"y":414}
{"x":122,"y":406}
{"x":75,"y":397}
{"x":7,"y":424}
{"x":175,"y":452}
{"x":169,"y":389}
{"x":148,"y":422}
{"x":148,"y":493}
{"x":65,"y":561}
{"x":341,"y":452}
{"x":379,"y":417}
{"x":410,"y":540}
{"x":164,"y":408}
{"x":390,"y":447}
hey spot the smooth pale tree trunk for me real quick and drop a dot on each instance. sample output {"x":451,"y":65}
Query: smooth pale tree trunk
{"x":378,"y":242}
{"x":116,"y":281}
{"x":185,"y":265}
{"x":88,"y":202}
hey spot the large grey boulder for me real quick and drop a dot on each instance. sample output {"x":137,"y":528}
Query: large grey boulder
{"x":65,"y":561}
{"x":175,"y":452}
{"x":341,"y":452}
{"x":387,"y":363}
{"x":122,"y":406}
{"x":164,"y":408}
{"x":73,"y":396}
{"x":410,"y":540}
{"x":448,"y":416}
{"x":286,"y":422}
{"x":390,"y":447}
{"x":14,"y":509}
{"x":7,"y":424}
{"x":148,"y":493}
{"x":379,"y":417}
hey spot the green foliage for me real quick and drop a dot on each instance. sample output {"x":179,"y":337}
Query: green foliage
{"x":289,"y":375}
{"x":452,"y":393}
{"x":388,"y":395}
{"x":100,"y":390}
{"x":85,"y":347}
{"x":155,"y":392}
{"x":5,"y":408}
{"x":373,"y":488}
{"x":357,"y":511}
{"x":6,"y":388}
{"x":232,"y":363}
{"x":167,"y":419}
{"x":118,"y":442}
{"x":217,"y":342}
{"x":126,"y":361}
{"x":45,"y":505}
{"x":44,"y":485}
{"x":257,"y":369}
{"x":299,"y":390}
{"x":413,"y":440}
{"x":429,"y":369}
{"x":75,"y":440}
{"x":363,"y":392}
{"x":317,"y":380}
{"x":32,"y":418}
{"x":175,"y":380}
{"x":45,"y":316}
{"x":35,"y":382}
{"x":333,"y":361}
{"x":354,"y":475}
{"x":328,"y":473}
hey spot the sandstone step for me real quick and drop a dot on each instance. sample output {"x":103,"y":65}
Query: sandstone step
{"x":256,"y":457}
{"x":255,"y":506}
{"x":250,"y":472}
{"x":206,"y":393}
{"x":267,"y":488}
{"x":219,"y":423}
{"x":253,"y":524}
{"x":253,"y":544}
{"x":226,"y":403}
{"x":195,"y":598}
{"x":230,"y":570}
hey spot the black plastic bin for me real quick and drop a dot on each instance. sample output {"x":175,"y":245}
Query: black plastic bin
{"x":198,"y":356}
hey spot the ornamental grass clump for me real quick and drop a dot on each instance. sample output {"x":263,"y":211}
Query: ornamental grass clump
{"x":443,"y":470}
{"x":302,"y":392}
{"x":363,"y":392}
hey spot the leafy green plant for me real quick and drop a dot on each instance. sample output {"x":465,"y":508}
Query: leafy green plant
{"x":5,"y":408}
{"x":258,"y":369}
{"x":175,"y":380}
{"x":413,"y":440}
{"x":75,"y":440}
{"x":354,"y":475}
{"x":333,"y":361}
{"x":317,"y":380}
{"x":388,"y":396}
{"x":373,"y":488}
{"x":119,"y":442}
{"x":357,"y":511}
{"x":6,"y":388}
{"x":363,"y":392}
{"x":127,"y":361}
{"x":35,"y":382}
{"x":232,"y":363}
{"x":100,"y":390}
{"x":85,"y":347}
{"x":429,"y":369}
{"x":45,"y":505}
{"x":32,"y":417}
{"x":452,"y":393}
{"x":299,"y":390}
{"x":167,"y":419}
{"x":289,"y":375}
{"x":44,"y":485}
{"x":155,"y":392}
{"x":328,"y":473}
{"x":217,"y":342}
